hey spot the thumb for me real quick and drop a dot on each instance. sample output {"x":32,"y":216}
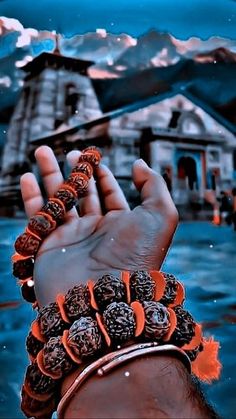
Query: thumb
{"x":152,"y":187}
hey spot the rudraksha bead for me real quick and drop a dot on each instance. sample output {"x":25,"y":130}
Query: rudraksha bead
{"x":28,"y":292}
{"x":50,"y":321}
{"x":23,"y":268}
{"x":79,"y":182}
{"x":77,"y":302}
{"x":185,"y":327}
{"x":33,"y":345}
{"x":157,"y":320}
{"x":170,"y":289}
{"x":55,"y":208}
{"x":27,"y":244}
{"x":83,"y":167}
{"x":84,"y":338}
{"x":109,"y":289}
{"x":142,"y":286}
{"x":36,"y":408}
{"x":42,"y":225}
{"x":37,"y":382}
{"x":67,"y":197}
{"x":119,"y":321}
{"x":55,"y":358}
{"x":93,"y":148}
{"x":192,"y":354}
{"x":90,"y":157}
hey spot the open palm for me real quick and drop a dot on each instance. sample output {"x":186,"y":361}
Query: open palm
{"x":107,"y":236}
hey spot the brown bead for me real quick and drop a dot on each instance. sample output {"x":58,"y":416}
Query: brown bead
{"x":27,"y":244}
{"x":66,"y":196}
{"x":90,"y":157}
{"x":28,"y":293}
{"x":50,"y":321}
{"x":185,"y":327}
{"x":55,"y":358}
{"x":83,"y":167}
{"x":142,"y":286}
{"x":36,"y":408}
{"x":77,"y":302}
{"x":119,"y":321}
{"x":33,"y":345}
{"x":38,"y":382}
{"x":42,"y":224}
{"x":93,"y":148}
{"x":84,"y":337}
{"x":157,"y":320}
{"x":170,"y":289}
{"x":23,"y":268}
{"x":79,"y":182}
{"x":55,"y":208}
{"x":109,"y":289}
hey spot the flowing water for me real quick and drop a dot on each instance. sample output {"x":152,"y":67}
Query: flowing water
{"x":202,"y":256}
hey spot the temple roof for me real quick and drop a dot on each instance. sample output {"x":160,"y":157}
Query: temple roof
{"x":47,"y":59}
{"x":211,"y":86}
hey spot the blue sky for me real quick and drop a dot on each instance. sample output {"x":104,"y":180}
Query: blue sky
{"x":182,"y":18}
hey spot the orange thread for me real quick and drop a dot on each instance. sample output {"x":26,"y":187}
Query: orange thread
{"x":103,"y":330}
{"x":180,"y":295}
{"x":41,"y":366}
{"x":69,"y":188}
{"x":17,"y":257}
{"x":60,"y":299}
{"x":83,"y":175}
{"x":93,"y":303}
{"x":160,"y":282}
{"x":173,"y":324}
{"x":125,"y":276}
{"x":28,"y":231}
{"x":64,"y":342}
{"x":36,"y":332}
{"x":140,"y":317}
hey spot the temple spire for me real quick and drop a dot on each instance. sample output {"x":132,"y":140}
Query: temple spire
{"x":57,"y":44}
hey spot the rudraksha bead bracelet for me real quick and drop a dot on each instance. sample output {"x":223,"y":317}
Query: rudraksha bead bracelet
{"x":51,"y":215}
{"x":100,"y":317}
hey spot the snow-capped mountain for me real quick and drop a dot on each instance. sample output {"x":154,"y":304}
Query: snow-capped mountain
{"x":114,"y":55}
{"x":218,"y":55}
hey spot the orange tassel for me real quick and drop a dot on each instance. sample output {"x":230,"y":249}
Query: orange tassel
{"x":207,"y":366}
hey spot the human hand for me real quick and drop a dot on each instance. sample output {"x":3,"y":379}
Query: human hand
{"x":95,"y":243}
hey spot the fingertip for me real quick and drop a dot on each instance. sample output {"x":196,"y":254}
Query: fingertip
{"x":42,"y":150}
{"x":27,"y":177}
{"x":72,"y":157}
{"x":140,"y":162}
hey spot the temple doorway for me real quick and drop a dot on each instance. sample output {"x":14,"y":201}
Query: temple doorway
{"x":187,"y":172}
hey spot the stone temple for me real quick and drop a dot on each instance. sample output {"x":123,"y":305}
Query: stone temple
{"x":152,"y":114}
